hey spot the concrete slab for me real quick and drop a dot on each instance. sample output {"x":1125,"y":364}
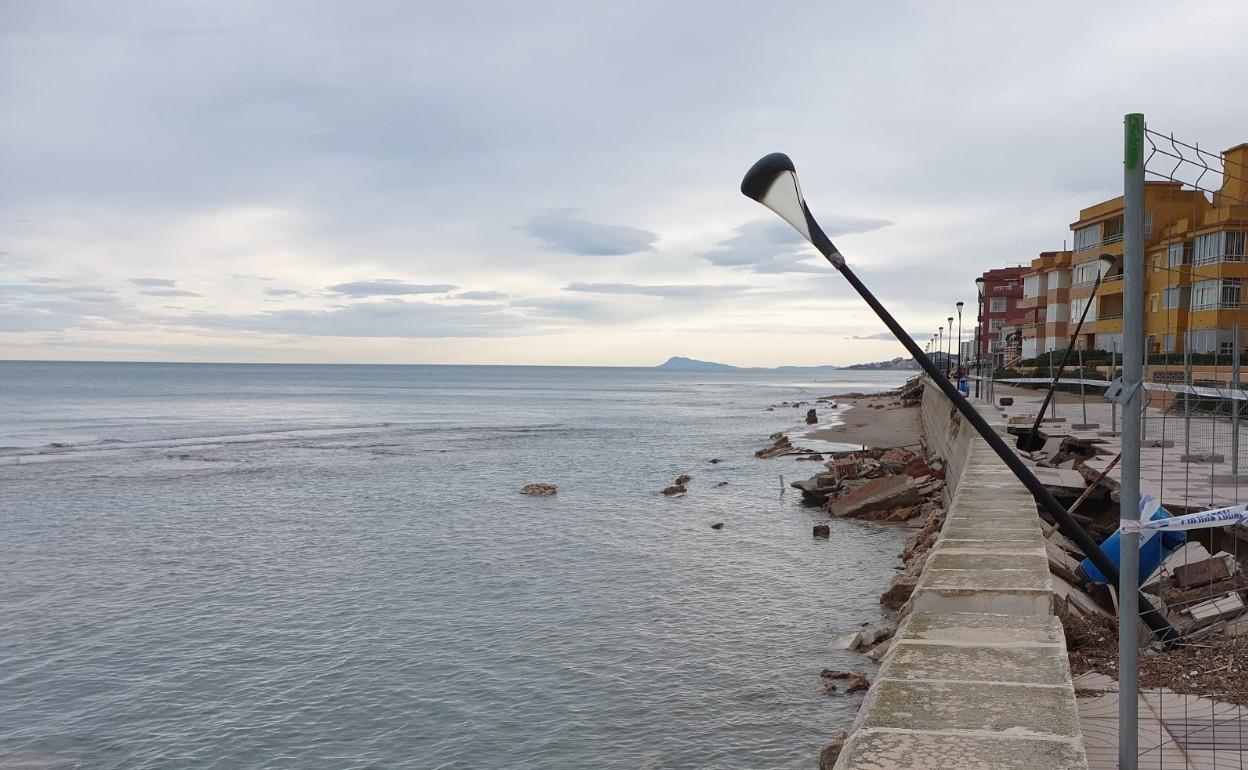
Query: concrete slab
{"x":887,"y":750}
{"x":1037,"y":564}
{"x":962,"y":627}
{"x":976,"y":662}
{"x":1024,"y":710}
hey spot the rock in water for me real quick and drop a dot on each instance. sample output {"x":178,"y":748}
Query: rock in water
{"x":811,"y":417}
{"x":832,"y":752}
{"x":683,"y":479}
{"x":717,"y":525}
{"x":542,"y":490}
{"x":716,"y":461}
{"x":823,"y":531}
{"x":677,"y":489}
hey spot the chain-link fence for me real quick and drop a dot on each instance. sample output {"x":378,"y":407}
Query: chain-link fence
{"x":1166,"y":310}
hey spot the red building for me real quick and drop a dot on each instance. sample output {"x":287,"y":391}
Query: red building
{"x":1003,"y":290}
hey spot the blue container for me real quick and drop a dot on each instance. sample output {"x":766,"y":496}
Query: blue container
{"x":1153,"y":551}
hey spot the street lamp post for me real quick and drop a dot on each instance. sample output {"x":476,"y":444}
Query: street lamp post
{"x":979,"y":333}
{"x":949,"y":355}
{"x":940,"y":342}
{"x":961,"y":367}
{"x":772,"y":181}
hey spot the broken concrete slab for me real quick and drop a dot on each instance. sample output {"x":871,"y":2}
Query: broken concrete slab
{"x":882,"y":493}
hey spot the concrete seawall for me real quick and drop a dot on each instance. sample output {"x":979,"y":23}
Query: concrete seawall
{"x":977,"y":676}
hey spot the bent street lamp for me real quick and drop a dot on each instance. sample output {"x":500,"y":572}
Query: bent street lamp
{"x":1031,"y":441}
{"x":772,"y":181}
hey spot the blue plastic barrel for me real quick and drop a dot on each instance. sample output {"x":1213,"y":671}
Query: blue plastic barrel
{"x":1153,"y":551}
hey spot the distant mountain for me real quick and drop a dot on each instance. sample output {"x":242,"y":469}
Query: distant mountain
{"x":679,"y":362}
{"x":692,"y":364}
{"x":895,"y":363}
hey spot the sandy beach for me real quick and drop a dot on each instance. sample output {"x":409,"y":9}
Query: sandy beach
{"x":874,"y":421}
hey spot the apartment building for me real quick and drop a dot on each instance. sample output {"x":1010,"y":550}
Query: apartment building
{"x":1194,"y":265}
{"x":1045,"y":304}
{"x":1003,"y":290}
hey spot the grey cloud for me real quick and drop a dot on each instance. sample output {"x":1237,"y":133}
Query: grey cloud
{"x":283,"y":293}
{"x":561,"y":230}
{"x":388,"y":287}
{"x":388,"y":318}
{"x":51,"y":307}
{"x":569,"y":309}
{"x":669,"y":291}
{"x":481,"y":295}
{"x":169,"y":293}
{"x":152,"y":282}
{"x":765,"y":246}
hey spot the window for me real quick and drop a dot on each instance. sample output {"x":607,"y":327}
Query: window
{"x":1086,"y":273}
{"x":1167,"y":344}
{"x":1225,"y":246}
{"x":1180,"y":253}
{"x":1153,"y":301}
{"x":1150,"y":345}
{"x":1217,"y":293}
{"x":1087,"y":237}
{"x":995,"y":324}
{"x":1148,"y":224}
{"x":1077,"y":306}
{"x":997,"y":305}
{"x":1157,"y":264}
{"x":1109,"y":341}
{"x":1211,"y":340}
{"x":1031,"y":286}
{"x":1177,"y":297}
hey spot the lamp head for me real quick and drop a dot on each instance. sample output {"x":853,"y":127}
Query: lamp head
{"x":1107,"y":263}
{"x":772,"y":181}
{"x":960,"y":304}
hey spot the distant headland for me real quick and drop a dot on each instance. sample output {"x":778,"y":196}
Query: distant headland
{"x":693,"y":364}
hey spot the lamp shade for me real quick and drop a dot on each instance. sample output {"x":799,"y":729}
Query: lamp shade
{"x":772,"y":181}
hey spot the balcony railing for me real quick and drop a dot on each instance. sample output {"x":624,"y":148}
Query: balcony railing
{"x":1110,"y":317}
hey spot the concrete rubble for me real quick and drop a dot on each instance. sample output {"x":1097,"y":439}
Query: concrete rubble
{"x":876,"y":484}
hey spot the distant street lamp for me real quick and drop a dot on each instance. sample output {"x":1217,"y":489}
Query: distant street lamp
{"x":961,"y":366}
{"x":949,"y":356}
{"x":979,"y":332}
{"x":940,"y":343}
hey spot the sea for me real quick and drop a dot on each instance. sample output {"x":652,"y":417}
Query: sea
{"x":321,"y":566}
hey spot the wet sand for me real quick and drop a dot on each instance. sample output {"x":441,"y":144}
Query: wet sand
{"x":890,"y":426}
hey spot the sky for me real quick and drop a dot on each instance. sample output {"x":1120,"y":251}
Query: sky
{"x":557,"y":182}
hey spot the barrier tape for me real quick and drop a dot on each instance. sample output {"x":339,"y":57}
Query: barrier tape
{"x":1235,"y":515}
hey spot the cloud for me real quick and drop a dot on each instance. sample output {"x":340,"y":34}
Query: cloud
{"x":561,"y":230}
{"x":886,"y":336}
{"x":388,"y":287}
{"x":61,"y":305}
{"x":152,"y":282}
{"x":283,"y":293}
{"x":386,"y":318}
{"x":667,"y":291}
{"x":170,"y":293}
{"x":480,"y":295}
{"x":770,"y":246}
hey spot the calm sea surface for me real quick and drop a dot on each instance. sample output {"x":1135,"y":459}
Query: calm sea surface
{"x":216,"y":566}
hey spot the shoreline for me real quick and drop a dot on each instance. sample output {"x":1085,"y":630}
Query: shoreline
{"x":874,"y":421}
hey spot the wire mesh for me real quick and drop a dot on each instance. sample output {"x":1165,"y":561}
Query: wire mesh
{"x":1193,"y":690}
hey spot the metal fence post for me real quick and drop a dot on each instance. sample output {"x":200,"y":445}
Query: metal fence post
{"x":1235,"y":404}
{"x":1132,"y":379}
{"x":1113,"y":372}
{"x":1187,"y":395}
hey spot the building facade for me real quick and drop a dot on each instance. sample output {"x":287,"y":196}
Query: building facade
{"x":1002,"y":292}
{"x":1045,"y":304}
{"x":1194,"y":269}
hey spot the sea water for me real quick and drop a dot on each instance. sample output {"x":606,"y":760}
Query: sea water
{"x":251,"y":566}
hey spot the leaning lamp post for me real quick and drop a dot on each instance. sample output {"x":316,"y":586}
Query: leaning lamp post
{"x":961,"y":367}
{"x":772,"y":181}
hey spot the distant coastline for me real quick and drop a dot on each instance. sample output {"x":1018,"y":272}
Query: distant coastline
{"x":693,"y":364}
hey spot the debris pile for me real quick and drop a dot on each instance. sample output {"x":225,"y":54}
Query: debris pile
{"x":876,"y":484}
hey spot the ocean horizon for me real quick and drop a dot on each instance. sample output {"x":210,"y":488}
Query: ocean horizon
{"x":330,"y":565}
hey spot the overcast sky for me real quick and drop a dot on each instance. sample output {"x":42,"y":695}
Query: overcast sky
{"x":556,"y":183}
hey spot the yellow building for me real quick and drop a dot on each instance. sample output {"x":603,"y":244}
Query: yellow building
{"x":1194,"y":258}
